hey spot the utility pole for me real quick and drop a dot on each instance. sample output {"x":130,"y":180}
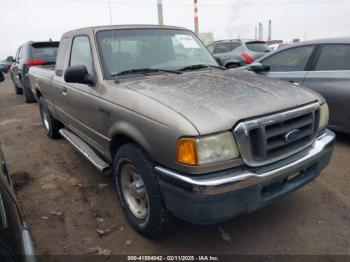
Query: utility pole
{"x":269,"y":37}
{"x":256,"y":33}
{"x":196,"y":26}
{"x":160,"y":12}
{"x":110,"y":12}
{"x":261,"y":31}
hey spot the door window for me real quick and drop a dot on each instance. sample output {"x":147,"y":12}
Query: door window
{"x":293,"y":59}
{"x":21,"y":53}
{"x":61,"y":56}
{"x":17,"y":54}
{"x":81,"y":53}
{"x":224,"y":47}
{"x":334,"y":57}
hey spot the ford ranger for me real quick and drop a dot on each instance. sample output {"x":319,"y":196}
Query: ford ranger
{"x":182,"y":136}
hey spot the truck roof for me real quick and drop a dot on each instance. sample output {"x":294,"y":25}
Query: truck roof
{"x":116,"y":27}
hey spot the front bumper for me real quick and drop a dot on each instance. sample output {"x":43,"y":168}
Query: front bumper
{"x":219,"y":196}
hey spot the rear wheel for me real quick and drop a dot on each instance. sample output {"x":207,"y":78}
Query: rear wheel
{"x":28,"y":94}
{"x":50,"y":124}
{"x":18,"y":90}
{"x":139,"y":192}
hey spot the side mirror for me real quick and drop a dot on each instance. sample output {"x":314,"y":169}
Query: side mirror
{"x":78,"y":74}
{"x":257,"y":67}
{"x":2,"y":78}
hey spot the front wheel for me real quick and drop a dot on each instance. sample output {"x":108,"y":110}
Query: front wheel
{"x":50,"y":124}
{"x":139,"y":192}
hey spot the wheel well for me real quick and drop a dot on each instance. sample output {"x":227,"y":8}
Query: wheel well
{"x":118,"y":141}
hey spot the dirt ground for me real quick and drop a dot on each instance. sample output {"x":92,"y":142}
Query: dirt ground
{"x":64,"y":199}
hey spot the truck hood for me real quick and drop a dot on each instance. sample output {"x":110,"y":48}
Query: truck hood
{"x":214,"y":100}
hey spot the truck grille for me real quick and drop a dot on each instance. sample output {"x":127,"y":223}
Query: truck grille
{"x":268,"y":139}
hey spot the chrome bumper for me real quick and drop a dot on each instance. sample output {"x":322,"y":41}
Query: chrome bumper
{"x":238,"y":178}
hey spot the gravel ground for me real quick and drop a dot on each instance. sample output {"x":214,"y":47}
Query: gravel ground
{"x":64,"y":199}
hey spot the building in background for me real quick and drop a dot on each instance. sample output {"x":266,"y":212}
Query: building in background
{"x":207,"y":37}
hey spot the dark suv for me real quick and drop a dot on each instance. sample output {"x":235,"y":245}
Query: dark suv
{"x":29,"y":54}
{"x":236,"y":52}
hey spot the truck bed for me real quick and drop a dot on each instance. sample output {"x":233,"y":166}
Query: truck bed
{"x":44,"y":71}
{"x":40,"y":78}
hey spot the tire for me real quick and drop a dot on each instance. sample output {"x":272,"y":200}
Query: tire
{"x":18,"y":90}
{"x":157,"y":220}
{"x":230,"y":66}
{"x":28,"y":94}
{"x":51,"y":125}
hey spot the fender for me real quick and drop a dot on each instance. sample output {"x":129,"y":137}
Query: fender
{"x":130,"y":131}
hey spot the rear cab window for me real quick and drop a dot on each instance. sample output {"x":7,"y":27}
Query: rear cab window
{"x":258,"y":46}
{"x":44,"y":50}
{"x":334,"y":57}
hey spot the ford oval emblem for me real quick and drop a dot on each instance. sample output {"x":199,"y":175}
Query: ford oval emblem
{"x":292,"y":135}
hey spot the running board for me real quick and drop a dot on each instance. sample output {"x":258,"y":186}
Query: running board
{"x":86,"y":150}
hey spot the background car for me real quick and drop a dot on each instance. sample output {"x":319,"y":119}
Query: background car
{"x":5,"y":65}
{"x":30,"y":54}
{"x":2,"y":78}
{"x":321,"y":65}
{"x":236,"y":53}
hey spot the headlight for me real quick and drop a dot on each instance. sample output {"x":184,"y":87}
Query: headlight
{"x":207,"y":150}
{"x":324,"y":117}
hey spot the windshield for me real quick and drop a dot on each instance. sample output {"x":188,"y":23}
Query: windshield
{"x":260,"y":47}
{"x":165,"y":49}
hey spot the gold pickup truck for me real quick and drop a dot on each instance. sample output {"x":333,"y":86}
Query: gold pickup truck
{"x":181,"y":135}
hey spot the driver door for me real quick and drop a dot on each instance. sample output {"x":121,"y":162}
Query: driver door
{"x":78,"y":100}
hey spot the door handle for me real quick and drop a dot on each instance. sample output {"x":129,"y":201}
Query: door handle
{"x":64,"y":90}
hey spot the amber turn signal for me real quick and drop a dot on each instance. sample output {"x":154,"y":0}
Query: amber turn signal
{"x":187,"y":151}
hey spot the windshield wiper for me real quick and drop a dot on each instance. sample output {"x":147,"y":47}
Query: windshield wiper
{"x":200,"y":66}
{"x":144,"y":71}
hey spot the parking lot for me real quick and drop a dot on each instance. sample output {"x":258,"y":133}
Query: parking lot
{"x":70,"y":207}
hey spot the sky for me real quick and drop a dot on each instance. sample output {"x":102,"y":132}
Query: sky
{"x":39,"y":20}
